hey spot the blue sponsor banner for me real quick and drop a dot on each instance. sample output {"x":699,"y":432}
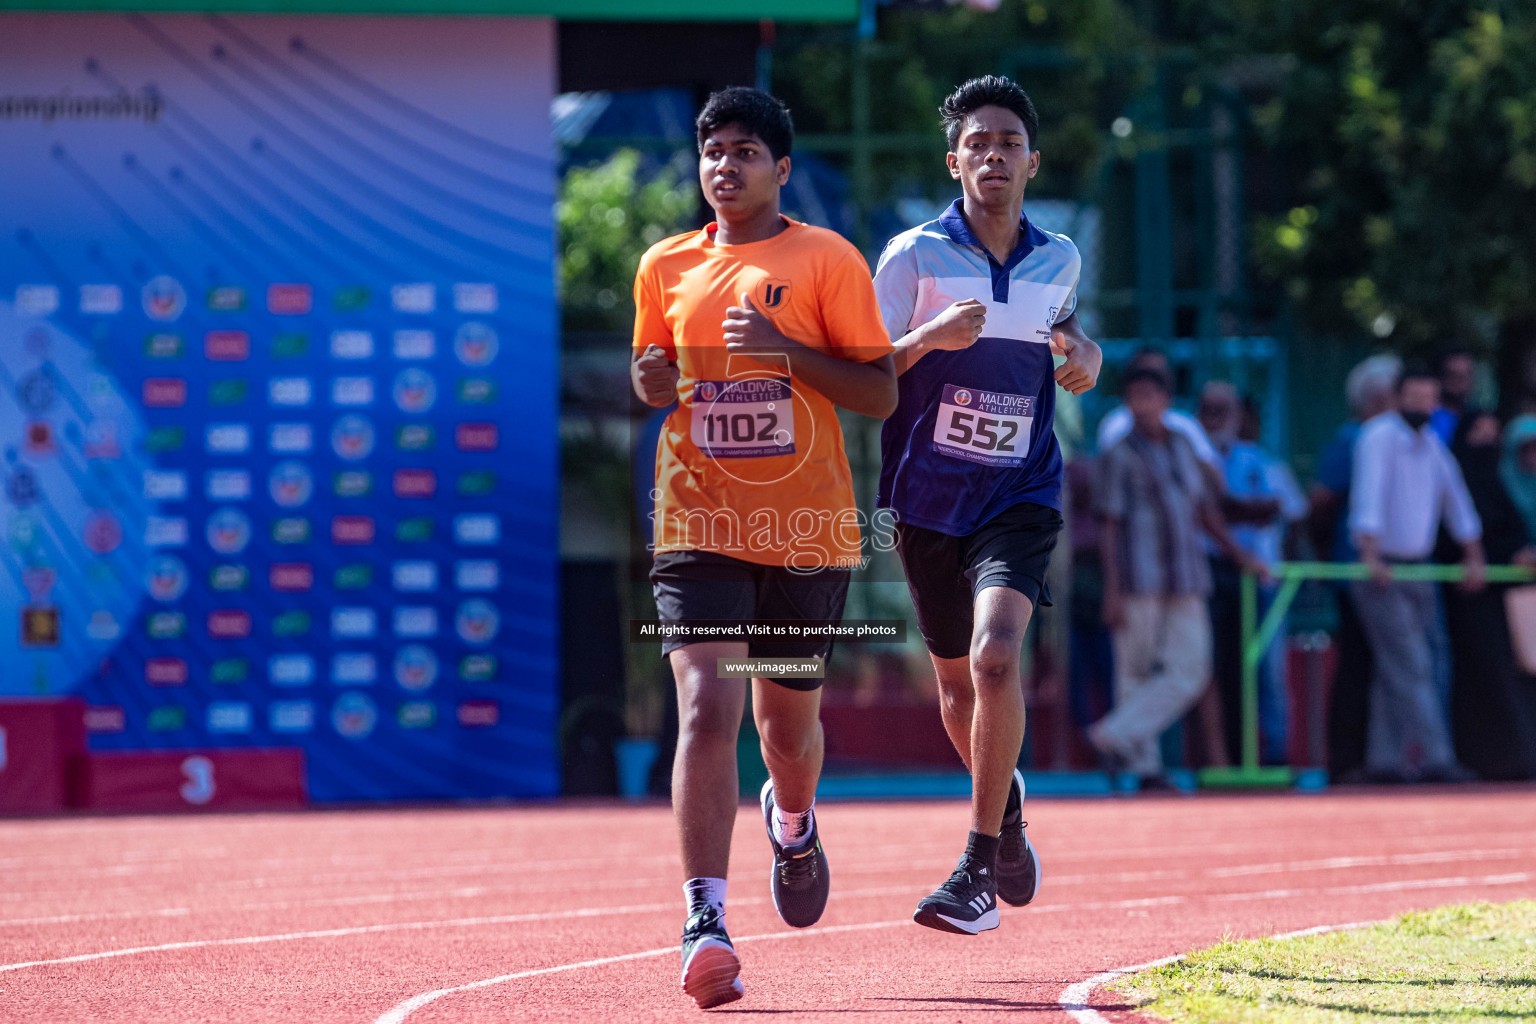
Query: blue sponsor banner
{"x":278,"y":389}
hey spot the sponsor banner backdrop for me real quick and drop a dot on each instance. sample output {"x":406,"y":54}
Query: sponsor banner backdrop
{"x":278,"y":391}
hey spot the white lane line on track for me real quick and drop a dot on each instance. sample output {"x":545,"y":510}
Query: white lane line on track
{"x":1074,"y":998}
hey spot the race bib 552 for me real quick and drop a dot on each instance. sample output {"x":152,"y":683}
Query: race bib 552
{"x":984,"y":426}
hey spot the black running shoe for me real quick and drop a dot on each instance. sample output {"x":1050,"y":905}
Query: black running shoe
{"x":800,"y":880}
{"x":711,"y":971}
{"x":966,"y":904}
{"x":1018,"y":866}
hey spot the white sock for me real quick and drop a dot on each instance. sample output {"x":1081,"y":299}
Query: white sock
{"x":791,"y":827}
{"x":701,"y":892}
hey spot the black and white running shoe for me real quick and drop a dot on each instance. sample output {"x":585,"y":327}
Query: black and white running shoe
{"x":711,"y":970}
{"x":966,"y":904}
{"x":1018,"y":866}
{"x":800,"y":881}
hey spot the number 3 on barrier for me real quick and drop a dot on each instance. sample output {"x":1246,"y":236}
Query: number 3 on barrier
{"x":199,"y":787}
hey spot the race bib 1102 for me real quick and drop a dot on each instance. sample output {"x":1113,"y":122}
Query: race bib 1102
{"x":984,"y":426}
{"x":747,"y":418}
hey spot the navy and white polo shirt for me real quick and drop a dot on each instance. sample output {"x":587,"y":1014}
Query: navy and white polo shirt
{"x":973,"y":432}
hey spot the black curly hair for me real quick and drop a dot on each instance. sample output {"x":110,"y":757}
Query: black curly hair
{"x":990,"y":91}
{"x":759,"y":113}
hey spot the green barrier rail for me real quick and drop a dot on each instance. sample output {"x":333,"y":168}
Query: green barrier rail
{"x":1257,"y":636}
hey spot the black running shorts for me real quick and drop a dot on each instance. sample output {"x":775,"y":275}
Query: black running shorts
{"x":945,"y":573}
{"x":692,"y":585}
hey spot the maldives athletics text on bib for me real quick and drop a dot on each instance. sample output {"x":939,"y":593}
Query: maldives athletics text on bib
{"x":748,"y":418}
{"x":989,"y":427}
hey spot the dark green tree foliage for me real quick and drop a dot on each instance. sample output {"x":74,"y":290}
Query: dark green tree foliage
{"x":1409,"y":131}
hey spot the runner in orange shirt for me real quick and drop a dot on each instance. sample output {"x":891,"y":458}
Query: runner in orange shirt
{"x":758,"y":326}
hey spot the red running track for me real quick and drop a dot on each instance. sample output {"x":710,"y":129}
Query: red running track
{"x":572,"y":912}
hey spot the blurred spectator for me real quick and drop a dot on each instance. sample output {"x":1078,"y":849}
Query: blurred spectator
{"x":1092,"y":659}
{"x":1261,"y":499}
{"x":1458,"y":376}
{"x":1517,"y":468}
{"x":1403,"y":478}
{"x":1153,"y":498}
{"x":1493,"y":703}
{"x":1369,"y":391}
{"x":1117,"y":422}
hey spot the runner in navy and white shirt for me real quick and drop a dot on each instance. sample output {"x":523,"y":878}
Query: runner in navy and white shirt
{"x":980,"y":299}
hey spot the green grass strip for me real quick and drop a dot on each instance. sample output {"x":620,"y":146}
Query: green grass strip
{"x":1470,"y":963}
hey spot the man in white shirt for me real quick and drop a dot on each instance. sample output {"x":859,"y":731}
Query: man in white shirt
{"x":1404,"y":482}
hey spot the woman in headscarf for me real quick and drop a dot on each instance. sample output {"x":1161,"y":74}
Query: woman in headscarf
{"x":1493,"y":703}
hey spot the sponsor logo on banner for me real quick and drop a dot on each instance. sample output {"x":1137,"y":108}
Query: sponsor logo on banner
{"x":21,"y":487}
{"x":415,"y":530}
{"x":291,"y":716}
{"x":165,"y":484}
{"x":103,"y":532}
{"x":291,"y":669}
{"x":227,"y":485}
{"x":292,"y":623}
{"x":228,"y":438}
{"x":352,"y":298}
{"x":105,"y":719}
{"x":165,"y":392}
{"x":226,"y":298}
{"x":290,"y":392}
{"x":415,"y":391}
{"x":415,"y":483}
{"x":40,"y":627}
{"x":289,"y":299}
{"x":477,"y":528}
{"x":352,"y":483}
{"x":471,"y":297}
{"x":415,"y":668}
{"x":36,"y":392}
{"x":351,"y":344}
{"x":354,"y":623}
{"x":477,"y":621}
{"x":228,"y":531}
{"x":37,"y":299}
{"x":39,"y":581}
{"x":478,"y":668}
{"x":416,"y":714}
{"x":476,"y":391}
{"x":165,"y":625}
{"x":167,"y":718}
{"x":229,"y":624}
{"x":228,"y":391}
{"x":352,"y":438}
{"x":415,"y":437}
{"x":229,"y":671}
{"x":290,"y":438}
{"x":101,"y":440}
{"x":476,"y":344}
{"x":357,"y":576}
{"x":227,"y":578}
{"x":291,"y":530}
{"x":352,"y":391}
{"x":166,"y":672}
{"x":479,"y":574}
{"x":290,"y":344}
{"x":164,"y":298}
{"x":352,"y":530}
{"x":479,"y":714}
{"x":227,"y":346}
{"x":476,"y":483}
{"x":166,"y":531}
{"x":291,"y":577}
{"x":103,"y":625}
{"x":229,"y":717}
{"x":101,"y":299}
{"x":418,"y":297}
{"x":165,"y":439}
{"x":415,"y":622}
{"x":354,"y":668}
{"x":354,"y":715}
{"x":415,"y":344}
{"x":167,"y":578}
{"x":415,"y":576}
{"x":290,"y":483}
{"x":475,"y":437}
{"x":162,"y":345}
{"x":39,"y":442}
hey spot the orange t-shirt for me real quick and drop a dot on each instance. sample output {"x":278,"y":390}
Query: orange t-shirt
{"x":751,"y":462}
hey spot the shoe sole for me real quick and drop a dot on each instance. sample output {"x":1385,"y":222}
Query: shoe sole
{"x":929,"y":918}
{"x":713,"y":976}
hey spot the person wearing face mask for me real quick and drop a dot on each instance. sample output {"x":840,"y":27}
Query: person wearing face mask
{"x":1404,"y":480}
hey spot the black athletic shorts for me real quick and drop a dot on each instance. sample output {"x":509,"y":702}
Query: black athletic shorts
{"x":707,"y":585}
{"x":945,"y":573}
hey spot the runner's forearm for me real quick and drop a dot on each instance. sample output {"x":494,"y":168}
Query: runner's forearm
{"x":865,"y":388}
